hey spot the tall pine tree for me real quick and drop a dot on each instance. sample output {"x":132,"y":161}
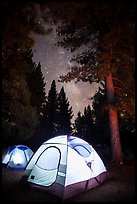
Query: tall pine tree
{"x":65,"y":114}
{"x":84,"y":126}
{"x":100,"y":115}
{"x":104,"y":32}
{"x":35,"y":80}
{"x":18,"y":114}
{"x":50,"y":114}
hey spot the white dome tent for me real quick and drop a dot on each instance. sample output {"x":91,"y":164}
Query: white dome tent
{"x":65,"y":166}
{"x":17,"y":157}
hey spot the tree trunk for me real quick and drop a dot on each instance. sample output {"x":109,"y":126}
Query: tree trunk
{"x":113,"y":121}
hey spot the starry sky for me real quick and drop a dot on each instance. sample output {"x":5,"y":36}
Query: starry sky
{"x":55,"y":61}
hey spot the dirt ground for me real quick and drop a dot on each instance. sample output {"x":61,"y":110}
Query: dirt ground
{"x":120,"y":187}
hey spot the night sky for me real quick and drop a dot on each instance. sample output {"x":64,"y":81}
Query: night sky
{"x":55,"y":61}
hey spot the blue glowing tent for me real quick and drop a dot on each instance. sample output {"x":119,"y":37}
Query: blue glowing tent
{"x":17,"y":157}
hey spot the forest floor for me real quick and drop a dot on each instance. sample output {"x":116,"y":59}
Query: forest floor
{"x":120,"y":187}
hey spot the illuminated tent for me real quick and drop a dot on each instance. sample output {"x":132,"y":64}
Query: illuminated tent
{"x":65,"y":166}
{"x":17,"y":157}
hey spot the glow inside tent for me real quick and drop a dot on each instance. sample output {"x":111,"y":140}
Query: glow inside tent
{"x":17,"y":157}
{"x":65,"y":166}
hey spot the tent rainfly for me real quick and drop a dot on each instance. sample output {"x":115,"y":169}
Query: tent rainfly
{"x":17,"y":157}
{"x":65,"y":166}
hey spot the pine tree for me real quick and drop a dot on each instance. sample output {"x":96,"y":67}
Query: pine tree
{"x":37,"y":87}
{"x":79,"y":126}
{"x":65,"y":114}
{"x":49,"y":126}
{"x":89,"y":125}
{"x":84,"y":126}
{"x":104,"y":31}
{"x":19,"y":116}
{"x":100,"y":117}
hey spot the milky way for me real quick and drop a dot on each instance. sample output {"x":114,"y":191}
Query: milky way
{"x":55,"y":61}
